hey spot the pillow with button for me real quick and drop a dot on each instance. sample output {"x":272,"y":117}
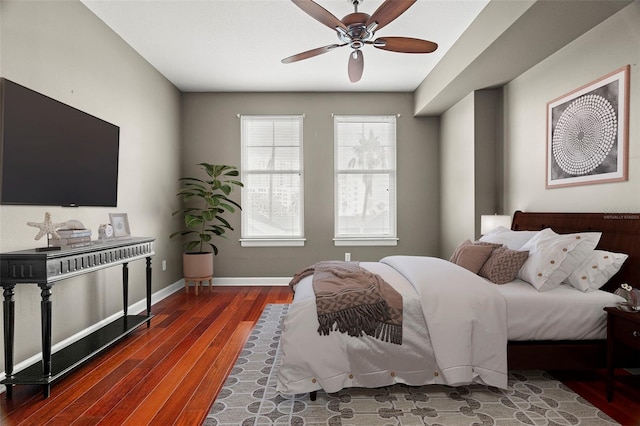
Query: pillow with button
{"x":596,"y":270}
{"x":553,"y":257}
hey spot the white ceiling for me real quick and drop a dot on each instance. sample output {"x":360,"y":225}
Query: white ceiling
{"x":221,"y":45}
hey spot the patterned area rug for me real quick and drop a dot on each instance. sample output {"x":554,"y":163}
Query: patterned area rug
{"x":249,"y":397}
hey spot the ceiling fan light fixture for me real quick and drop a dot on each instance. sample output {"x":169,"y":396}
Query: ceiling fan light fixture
{"x":356,"y":65}
{"x":358,"y":28}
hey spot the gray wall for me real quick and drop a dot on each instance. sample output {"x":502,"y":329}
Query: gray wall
{"x":457,"y":169}
{"x":63,"y":50}
{"x":520,"y":141}
{"x":607,"y":47}
{"x":211,"y":133}
{"x":469,"y":152}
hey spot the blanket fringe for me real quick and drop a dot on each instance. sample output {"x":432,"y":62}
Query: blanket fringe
{"x":361,"y":319}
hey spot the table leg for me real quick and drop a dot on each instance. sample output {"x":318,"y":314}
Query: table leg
{"x":149,"y":291}
{"x":8,"y":306}
{"x":610,"y":356}
{"x":125,"y":287}
{"x":45,"y":318}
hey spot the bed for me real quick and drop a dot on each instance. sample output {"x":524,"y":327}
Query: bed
{"x":458,"y":327}
{"x":620,"y":233}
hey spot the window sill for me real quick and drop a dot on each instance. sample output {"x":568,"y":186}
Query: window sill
{"x":365,"y":241}
{"x":275,"y":242}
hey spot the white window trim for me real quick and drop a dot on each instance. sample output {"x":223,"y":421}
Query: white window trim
{"x":272,"y":242}
{"x":361,"y":240}
{"x":275,"y":241}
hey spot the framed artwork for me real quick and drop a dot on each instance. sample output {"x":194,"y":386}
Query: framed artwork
{"x":120,"y":223}
{"x":588,"y":133}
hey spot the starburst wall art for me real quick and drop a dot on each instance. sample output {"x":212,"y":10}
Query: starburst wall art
{"x":588,"y":131}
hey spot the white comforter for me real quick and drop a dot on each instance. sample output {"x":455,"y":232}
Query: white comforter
{"x":463,"y":339}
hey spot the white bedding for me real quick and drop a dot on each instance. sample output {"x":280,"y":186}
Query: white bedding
{"x":563,"y":313}
{"x":462,"y":352}
{"x":463,"y":340}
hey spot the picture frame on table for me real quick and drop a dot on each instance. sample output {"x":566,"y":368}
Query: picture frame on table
{"x":588,"y":133}
{"x":120,"y":223}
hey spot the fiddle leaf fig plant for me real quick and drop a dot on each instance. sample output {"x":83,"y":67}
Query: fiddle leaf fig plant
{"x":206,"y":202}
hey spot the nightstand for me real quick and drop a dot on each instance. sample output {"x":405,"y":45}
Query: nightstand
{"x":622,"y":328}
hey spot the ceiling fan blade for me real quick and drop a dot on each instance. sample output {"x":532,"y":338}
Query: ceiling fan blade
{"x":388,"y":11}
{"x":310,"y":53}
{"x":405,"y":44}
{"x":319,"y":13}
{"x":356,"y":65}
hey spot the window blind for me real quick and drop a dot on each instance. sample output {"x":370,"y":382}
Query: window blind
{"x":272,"y":172}
{"x":365,"y":177}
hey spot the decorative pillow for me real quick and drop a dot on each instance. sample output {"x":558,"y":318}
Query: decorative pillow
{"x":456,"y":252}
{"x":553,"y":257}
{"x":503,"y":265}
{"x":599,"y":267}
{"x":512,"y":239}
{"x":472,"y":256}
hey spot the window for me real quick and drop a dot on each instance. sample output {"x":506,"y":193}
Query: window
{"x":272,"y":198}
{"x":365,"y":180}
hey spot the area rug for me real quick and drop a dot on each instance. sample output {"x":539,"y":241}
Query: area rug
{"x":249,"y":397}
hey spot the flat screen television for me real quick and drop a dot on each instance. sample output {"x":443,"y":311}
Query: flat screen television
{"x":52,"y":154}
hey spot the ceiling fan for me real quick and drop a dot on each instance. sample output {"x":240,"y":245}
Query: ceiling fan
{"x":357,"y":29}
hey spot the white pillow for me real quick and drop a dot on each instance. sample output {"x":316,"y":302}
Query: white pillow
{"x":512,"y":239}
{"x":553,"y":257}
{"x":596,"y":270}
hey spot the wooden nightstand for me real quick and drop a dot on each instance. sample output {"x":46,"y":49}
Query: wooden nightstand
{"x":622,"y":328}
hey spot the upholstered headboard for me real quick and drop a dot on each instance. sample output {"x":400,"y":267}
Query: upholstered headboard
{"x":620,"y":234}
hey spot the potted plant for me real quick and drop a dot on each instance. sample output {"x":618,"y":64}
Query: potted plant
{"x":206,"y":201}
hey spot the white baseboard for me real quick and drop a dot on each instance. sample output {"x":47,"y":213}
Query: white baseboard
{"x":136,"y":307}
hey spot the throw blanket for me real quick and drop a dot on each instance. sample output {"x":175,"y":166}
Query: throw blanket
{"x":352,"y":300}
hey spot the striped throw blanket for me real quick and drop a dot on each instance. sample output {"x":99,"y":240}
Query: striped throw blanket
{"x":352,"y":300}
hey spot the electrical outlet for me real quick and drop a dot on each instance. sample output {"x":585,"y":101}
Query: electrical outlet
{"x":347,"y":257}
{"x":164,"y":265}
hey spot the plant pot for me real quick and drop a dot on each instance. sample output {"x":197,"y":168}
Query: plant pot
{"x":197,"y":265}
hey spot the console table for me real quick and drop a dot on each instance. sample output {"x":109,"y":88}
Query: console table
{"x":46,"y":268}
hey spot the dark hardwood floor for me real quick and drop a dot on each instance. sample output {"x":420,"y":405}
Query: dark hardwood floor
{"x":170,"y":373}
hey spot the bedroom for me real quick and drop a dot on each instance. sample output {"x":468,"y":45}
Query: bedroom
{"x":62,"y":49}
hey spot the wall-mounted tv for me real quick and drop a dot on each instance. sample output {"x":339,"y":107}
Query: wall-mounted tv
{"x":54,"y":154}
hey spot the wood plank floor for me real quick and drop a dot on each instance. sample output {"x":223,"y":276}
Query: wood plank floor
{"x":170,"y":373}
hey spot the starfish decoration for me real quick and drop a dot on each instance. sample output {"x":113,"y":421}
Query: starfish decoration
{"x":46,"y":227}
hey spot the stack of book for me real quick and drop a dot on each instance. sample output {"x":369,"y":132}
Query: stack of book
{"x":71,"y":238}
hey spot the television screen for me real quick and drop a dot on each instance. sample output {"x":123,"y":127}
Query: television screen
{"x":54,"y":154}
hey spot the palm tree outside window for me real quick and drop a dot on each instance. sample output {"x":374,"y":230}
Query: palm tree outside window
{"x":365,"y":180}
